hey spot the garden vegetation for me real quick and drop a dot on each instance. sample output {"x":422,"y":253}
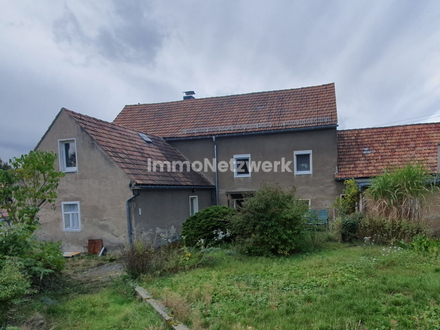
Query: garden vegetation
{"x":25,"y":184}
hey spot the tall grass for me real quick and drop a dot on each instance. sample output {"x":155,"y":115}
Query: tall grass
{"x":369,"y":287}
{"x":401,"y":193}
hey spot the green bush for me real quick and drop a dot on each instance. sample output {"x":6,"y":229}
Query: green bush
{"x":424,"y":244}
{"x":14,"y":284}
{"x":38,"y":258}
{"x":270,"y":223}
{"x":386,"y":231}
{"x":349,"y":226}
{"x":346,"y":204}
{"x":145,"y":259}
{"x":210,"y":225}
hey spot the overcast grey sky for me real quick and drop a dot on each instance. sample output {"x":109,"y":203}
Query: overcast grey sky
{"x":94,"y":57}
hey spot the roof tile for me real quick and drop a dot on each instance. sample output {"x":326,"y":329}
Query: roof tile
{"x":275,"y":110}
{"x":132,"y":154}
{"x":364,"y":153}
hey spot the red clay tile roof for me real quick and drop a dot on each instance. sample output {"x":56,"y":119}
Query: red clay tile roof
{"x":131,"y":153}
{"x":264,"y":111}
{"x":364,"y":153}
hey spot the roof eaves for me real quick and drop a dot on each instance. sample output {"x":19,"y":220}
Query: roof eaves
{"x":286,"y":130}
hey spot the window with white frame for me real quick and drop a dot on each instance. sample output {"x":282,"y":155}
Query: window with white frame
{"x":71,"y":216}
{"x":67,"y":155}
{"x":242,"y":166}
{"x":303,"y":162}
{"x":307,"y":202}
{"x":193,"y":205}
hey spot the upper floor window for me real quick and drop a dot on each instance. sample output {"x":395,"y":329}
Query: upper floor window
{"x":67,"y":155}
{"x":71,"y":216}
{"x":242,"y":166}
{"x":303,"y":162}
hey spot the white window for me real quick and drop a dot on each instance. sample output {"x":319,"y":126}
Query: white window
{"x":71,"y":216}
{"x":242,"y":166}
{"x":303,"y":162}
{"x":67,"y":155}
{"x":307,"y":202}
{"x":193,"y":205}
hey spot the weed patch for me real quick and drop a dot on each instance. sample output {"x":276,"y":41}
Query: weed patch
{"x":369,"y":287}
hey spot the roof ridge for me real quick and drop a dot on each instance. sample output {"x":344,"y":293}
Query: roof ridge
{"x":235,"y":95}
{"x":83,"y":116}
{"x":391,"y":126}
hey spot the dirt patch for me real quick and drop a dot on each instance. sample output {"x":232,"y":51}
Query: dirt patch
{"x":87,"y":268}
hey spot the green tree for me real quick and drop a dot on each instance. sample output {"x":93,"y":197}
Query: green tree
{"x":25,"y":185}
{"x":346,"y":204}
{"x":30,"y":181}
{"x":270,"y":223}
{"x":3,"y":165}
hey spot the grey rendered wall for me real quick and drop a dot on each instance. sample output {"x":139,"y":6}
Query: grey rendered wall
{"x":159,"y":213}
{"x":99,"y":185}
{"x":320,"y":186}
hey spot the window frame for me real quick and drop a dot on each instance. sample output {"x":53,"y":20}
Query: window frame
{"x":241,"y":175}
{"x":196,"y":205}
{"x":64,"y":213}
{"x":62,"y":156}
{"x":295,"y":163}
{"x":307,"y":201}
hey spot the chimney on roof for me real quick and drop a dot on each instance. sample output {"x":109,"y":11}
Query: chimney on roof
{"x":189,"y":95}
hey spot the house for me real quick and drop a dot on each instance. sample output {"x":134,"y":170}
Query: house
{"x":366,"y":153}
{"x":108,"y":192}
{"x":287,"y":137}
{"x":156,"y":164}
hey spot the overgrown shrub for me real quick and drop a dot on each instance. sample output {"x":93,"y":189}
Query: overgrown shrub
{"x":349,"y":226}
{"x":210,"y":225}
{"x":401,"y":193}
{"x":386,"y":231}
{"x":38,"y":258}
{"x":270,"y":223}
{"x":145,"y":259}
{"x":14,"y":284}
{"x":424,"y":244}
{"x":346,"y":204}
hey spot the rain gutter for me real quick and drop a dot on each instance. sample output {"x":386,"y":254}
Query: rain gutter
{"x":299,"y":129}
{"x":129,"y":226}
{"x":216,"y":170}
{"x":172,"y":187}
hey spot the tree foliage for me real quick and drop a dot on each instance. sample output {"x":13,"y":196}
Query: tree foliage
{"x":25,"y":185}
{"x":270,"y":223}
{"x":346,"y":204}
{"x":30,"y":181}
{"x":3,"y":165}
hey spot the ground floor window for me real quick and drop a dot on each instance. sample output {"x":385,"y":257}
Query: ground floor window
{"x":71,"y":216}
{"x":236,"y":199}
{"x":193,"y":205}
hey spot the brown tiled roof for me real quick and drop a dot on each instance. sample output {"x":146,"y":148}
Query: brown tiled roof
{"x":364,"y":153}
{"x":264,"y":111}
{"x":131,"y":153}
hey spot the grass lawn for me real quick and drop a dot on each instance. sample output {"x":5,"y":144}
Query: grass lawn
{"x":362,"y":287}
{"x":82,"y":303}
